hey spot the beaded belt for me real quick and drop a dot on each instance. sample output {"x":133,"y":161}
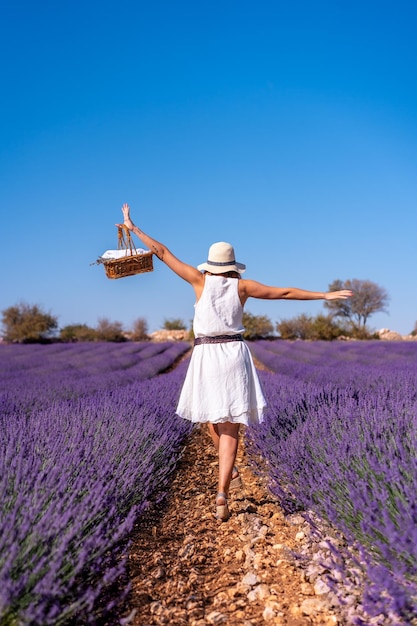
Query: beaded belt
{"x":217,"y":339}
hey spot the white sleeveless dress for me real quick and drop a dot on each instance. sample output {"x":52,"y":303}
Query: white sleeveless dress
{"x":221,"y":384}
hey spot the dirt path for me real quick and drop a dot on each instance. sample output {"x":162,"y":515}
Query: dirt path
{"x":188,"y":568}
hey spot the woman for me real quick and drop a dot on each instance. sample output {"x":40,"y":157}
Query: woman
{"x":221,"y":386}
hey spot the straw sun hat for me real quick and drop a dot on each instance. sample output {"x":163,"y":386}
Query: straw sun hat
{"x":221,"y":258}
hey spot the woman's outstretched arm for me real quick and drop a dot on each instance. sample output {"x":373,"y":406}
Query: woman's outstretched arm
{"x":253,"y":289}
{"x":189,"y":273}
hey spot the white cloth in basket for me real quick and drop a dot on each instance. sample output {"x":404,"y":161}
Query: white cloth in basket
{"x":120,"y":254}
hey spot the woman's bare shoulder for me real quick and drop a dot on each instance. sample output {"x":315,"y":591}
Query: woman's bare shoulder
{"x":255,"y":289}
{"x":246,"y":285}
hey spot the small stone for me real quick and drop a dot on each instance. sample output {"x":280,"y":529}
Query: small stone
{"x":311,"y":606}
{"x":195,"y":614}
{"x":272,"y":607}
{"x":257,"y":540}
{"x":338,"y":576}
{"x":320,"y":588}
{"x":334,"y":600}
{"x":186,"y":551}
{"x":260,"y":592}
{"x":242,"y":589}
{"x":268,"y":613}
{"x":272,"y":602}
{"x":250,"y":579}
{"x":159,"y":573}
{"x":259,"y":561}
{"x":221,"y":598}
{"x":300,"y":536}
{"x":307,"y":589}
{"x":312,"y":571}
{"x":239,"y":556}
{"x":232,"y":592}
{"x":215,"y":617}
{"x":239,"y":615}
{"x":156,"y":608}
{"x":295,"y":611}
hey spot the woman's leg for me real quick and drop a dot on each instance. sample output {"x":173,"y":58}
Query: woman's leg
{"x":228,"y":443}
{"x":214,"y":434}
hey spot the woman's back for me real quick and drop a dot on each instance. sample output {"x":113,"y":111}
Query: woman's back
{"x":219,"y":310}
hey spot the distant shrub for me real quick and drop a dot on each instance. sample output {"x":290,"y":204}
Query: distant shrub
{"x":257,"y":326}
{"x":140,"y":330}
{"x":77,"y":332}
{"x":27,"y":323}
{"x":321,"y":327}
{"x":174,"y":324}
{"x":109,"y":331}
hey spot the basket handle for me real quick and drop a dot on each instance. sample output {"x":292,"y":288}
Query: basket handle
{"x":124,"y":239}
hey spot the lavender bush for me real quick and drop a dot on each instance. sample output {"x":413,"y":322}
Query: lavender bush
{"x":341,"y":440}
{"x":78,"y":464}
{"x":35,"y":374}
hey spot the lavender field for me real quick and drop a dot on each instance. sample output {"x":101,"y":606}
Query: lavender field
{"x":340,"y":442}
{"x":88,"y":435}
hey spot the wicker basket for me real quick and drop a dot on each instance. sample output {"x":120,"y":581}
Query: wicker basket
{"x":133,"y":263}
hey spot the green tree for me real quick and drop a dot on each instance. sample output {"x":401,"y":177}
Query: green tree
{"x":109,"y":331}
{"x":368,"y":298}
{"x":319,"y":328}
{"x":27,"y":323}
{"x":139,"y":330}
{"x":296,"y":328}
{"x":325,"y":328}
{"x":77,"y":332}
{"x":256,"y":326}
{"x":174,"y":324}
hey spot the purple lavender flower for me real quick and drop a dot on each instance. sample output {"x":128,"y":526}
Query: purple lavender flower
{"x":88,"y":436}
{"x":341,"y":439}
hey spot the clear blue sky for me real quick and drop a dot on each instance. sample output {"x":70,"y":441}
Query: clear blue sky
{"x":286,"y":128}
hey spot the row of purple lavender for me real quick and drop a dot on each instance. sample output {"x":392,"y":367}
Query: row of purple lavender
{"x":88,"y":435}
{"x":340,"y":441}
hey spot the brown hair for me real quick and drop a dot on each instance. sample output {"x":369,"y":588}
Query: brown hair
{"x":231,"y":274}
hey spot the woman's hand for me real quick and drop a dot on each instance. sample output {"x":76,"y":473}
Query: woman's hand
{"x":126,"y":215}
{"x":338,"y":295}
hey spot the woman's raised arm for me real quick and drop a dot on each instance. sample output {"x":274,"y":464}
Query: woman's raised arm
{"x":189,"y":273}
